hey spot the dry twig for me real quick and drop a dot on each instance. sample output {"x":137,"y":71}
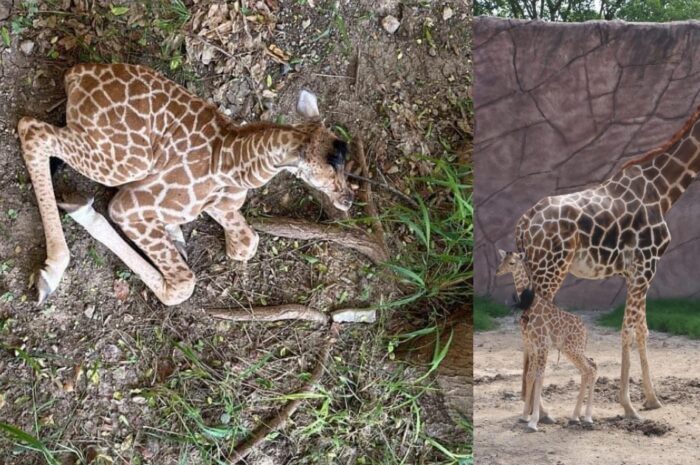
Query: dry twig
{"x":366,"y":195}
{"x":279,"y":420}
{"x":274,"y":313}
{"x":355,"y":239}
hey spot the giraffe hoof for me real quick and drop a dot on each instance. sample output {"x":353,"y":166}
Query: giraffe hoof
{"x":632,"y":416}
{"x":531,"y":429}
{"x":588,"y":420}
{"x":574,"y":421}
{"x":547,"y":420}
{"x":652,"y":404}
{"x":43,"y":287}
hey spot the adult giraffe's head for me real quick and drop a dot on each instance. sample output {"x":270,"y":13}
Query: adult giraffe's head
{"x":321,"y":162}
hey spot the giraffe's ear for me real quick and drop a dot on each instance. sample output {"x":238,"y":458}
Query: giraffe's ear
{"x":307,"y":105}
{"x":502,"y":253}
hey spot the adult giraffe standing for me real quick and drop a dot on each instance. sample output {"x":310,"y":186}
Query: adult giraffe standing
{"x":616,"y":228}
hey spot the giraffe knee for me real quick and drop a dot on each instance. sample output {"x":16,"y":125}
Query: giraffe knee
{"x":24,"y":126}
{"x":179,"y":291}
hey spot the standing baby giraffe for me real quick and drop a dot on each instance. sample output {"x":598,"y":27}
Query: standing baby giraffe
{"x":173,"y":155}
{"x":544,"y":325}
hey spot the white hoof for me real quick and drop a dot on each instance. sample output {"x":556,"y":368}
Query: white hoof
{"x":47,"y":280}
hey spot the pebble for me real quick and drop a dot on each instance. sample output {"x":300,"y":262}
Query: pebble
{"x":390,"y":24}
{"x":447,"y":13}
{"x":27,"y":47}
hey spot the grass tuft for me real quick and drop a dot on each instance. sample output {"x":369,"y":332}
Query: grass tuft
{"x":485,"y":310}
{"x":674,"y":316}
{"x":436,"y":266}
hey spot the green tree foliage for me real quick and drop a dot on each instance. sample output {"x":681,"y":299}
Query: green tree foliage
{"x":583,"y":10}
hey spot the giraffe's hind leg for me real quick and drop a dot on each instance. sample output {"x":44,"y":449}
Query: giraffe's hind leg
{"x":40,"y":141}
{"x":151,"y":236}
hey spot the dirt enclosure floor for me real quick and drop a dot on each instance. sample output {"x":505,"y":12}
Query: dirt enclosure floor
{"x":668,"y":435}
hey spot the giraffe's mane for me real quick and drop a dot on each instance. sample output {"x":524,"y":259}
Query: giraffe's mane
{"x":246,"y":129}
{"x":668,"y":144}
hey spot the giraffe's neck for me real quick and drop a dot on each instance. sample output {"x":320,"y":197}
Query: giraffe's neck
{"x":252,"y":156}
{"x":521,"y":278}
{"x":675,"y":167}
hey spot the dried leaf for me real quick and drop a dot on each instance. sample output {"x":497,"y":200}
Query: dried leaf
{"x":121,"y":289}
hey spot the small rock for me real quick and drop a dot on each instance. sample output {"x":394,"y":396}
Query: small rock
{"x":27,"y":47}
{"x":447,"y":13}
{"x":89,"y":311}
{"x":390,"y":24}
{"x":432,"y":52}
{"x":306,"y":23}
{"x":207,"y":55}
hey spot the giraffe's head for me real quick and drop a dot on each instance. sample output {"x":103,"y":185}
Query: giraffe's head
{"x":510,"y":262}
{"x":322,"y":159}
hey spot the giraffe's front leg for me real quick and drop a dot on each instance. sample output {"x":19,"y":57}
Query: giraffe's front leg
{"x":241,"y":240}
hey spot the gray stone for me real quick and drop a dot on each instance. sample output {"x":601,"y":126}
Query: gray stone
{"x":390,"y":24}
{"x":27,"y":47}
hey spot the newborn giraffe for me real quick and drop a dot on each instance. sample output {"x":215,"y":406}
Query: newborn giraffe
{"x":173,"y":156}
{"x":544,"y":325}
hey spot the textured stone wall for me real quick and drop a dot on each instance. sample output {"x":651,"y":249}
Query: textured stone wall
{"x":560,"y":107}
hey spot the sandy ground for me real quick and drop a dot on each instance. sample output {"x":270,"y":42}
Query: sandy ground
{"x":665,"y":436}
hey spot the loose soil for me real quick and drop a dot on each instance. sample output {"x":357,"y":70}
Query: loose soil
{"x":666,"y":435}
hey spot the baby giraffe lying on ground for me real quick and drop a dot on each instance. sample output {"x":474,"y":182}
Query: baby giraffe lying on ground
{"x":544,"y":325}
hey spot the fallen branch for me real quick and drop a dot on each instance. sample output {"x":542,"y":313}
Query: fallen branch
{"x":355,"y":239}
{"x":274,"y":313}
{"x":386,"y":186}
{"x":279,"y":420}
{"x":294,"y":312}
{"x":366,"y":195}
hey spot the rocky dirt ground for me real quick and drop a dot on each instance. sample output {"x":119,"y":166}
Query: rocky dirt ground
{"x":104,"y":373}
{"x":666,"y":435}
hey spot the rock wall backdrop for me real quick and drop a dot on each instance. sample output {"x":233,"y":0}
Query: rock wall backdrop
{"x":560,"y":107}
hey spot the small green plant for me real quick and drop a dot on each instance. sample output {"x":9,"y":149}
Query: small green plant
{"x":6,"y":266}
{"x":28,"y":9}
{"x":26,"y":441}
{"x":95,"y":256}
{"x":436,"y":264}
{"x":12,"y":214}
{"x":485,"y":310}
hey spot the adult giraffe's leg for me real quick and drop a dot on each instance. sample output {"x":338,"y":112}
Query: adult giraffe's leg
{"x":642,"y":333}
{"x":634,"y":308}
{"x":241,"y":240}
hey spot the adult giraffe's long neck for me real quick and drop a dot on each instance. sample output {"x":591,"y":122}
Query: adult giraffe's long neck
{"x":252,"y":155}
{"x":673,"y":166}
